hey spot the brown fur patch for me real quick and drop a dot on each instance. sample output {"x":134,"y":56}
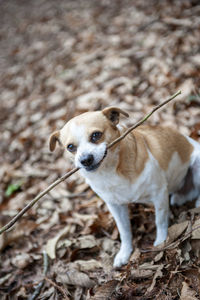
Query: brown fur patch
{"x":54,"y":138}
{"x":163,"y":142}
{"x":133,"y":156}
{"x":92,"y":121}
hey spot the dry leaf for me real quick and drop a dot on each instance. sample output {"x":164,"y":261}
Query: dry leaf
{"x":87,"y":265}
{"x":158,"y":274}
{"x":87,"y":241}
{"x":158,"y":256}
{"x":187,"y":293}
{"x":196,"y":229}
{"x":22,"y":260}
{"x":135,"y":256}
{"x":150,"y":266}
{"x":74,"y":277}
{"x":137,"y":273}
{"x":105,"y":291}
{"x":175,"y":231}
{"x":52,"y":243}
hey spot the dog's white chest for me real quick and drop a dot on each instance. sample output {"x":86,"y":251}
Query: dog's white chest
{"x":111,"y":188}
{"x":115,"y":188}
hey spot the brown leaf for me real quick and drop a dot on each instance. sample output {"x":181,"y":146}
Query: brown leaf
{"x":105,"y":291}
{"x":52,"y":243}
{"x":196,"y":229}
{"x":158,"y":274}
{"x":87,"y":265}
{"x":187,"y":293}
{"x":135,"y":256}
{"x":175,"y":231}
{"x":87,"y":241}
{"x":21,"y":260}
{"x":137,"y":273}
{"x":158,"y":256}
{"x":74,"y":277}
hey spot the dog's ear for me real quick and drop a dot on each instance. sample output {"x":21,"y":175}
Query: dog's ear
{"x":112,"y":114}
{"x":54,"y":138}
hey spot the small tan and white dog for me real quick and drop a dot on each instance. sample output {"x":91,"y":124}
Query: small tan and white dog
{"x":147,"y":166}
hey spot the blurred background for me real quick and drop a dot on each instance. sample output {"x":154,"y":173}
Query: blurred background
{"x":59,"y":59}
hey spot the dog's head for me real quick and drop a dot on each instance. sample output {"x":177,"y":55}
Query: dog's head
{"x":86,"y":137}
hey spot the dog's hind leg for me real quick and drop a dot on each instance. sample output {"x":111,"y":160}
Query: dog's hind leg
{"x":161,"y":203}
{"x":195,"y":169}
{"x":121,"y":216}
{"x":197,"y":203}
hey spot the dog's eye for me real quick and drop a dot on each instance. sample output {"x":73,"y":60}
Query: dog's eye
{"x":95,"y":136}
{"x":71,"y":148}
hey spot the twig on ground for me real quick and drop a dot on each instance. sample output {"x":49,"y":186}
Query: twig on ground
{"x":59,"y":288}
{"x":173,"y":244}
{"x":41,"y":284}
{"x":65,"y":176}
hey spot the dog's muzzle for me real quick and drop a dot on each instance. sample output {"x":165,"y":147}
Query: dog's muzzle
{"x":88,"y":162}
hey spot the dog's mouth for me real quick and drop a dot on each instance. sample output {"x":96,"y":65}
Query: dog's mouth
{"x":93,"y":167}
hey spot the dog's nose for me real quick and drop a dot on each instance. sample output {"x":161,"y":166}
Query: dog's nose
{"x":87,"y":160}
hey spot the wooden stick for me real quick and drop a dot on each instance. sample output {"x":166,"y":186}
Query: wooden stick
{"x":40,"y":285}
{"x":40,"y":195}
{"x":142,"y":120}
{"x":65,"y":176}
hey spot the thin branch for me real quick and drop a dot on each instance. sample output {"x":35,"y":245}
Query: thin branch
{"x":143,"y":120}
{"x":38,"y":197}
{"x":173,"y":244}
{"x":40,"y":285}
{"x":65,"y":176}
{"x":59,"y":288}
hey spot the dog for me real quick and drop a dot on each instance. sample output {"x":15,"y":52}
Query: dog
{"x":148,"y":165}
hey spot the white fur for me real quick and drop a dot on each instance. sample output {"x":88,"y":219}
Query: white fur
{"x":84,"y":146}
{"x":153,"y":185}
{"x":194,"y":163}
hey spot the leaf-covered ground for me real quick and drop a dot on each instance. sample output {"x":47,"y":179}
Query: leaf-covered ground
{"x":59,"y":59}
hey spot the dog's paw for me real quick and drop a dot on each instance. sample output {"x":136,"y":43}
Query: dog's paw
{"x":177,"y":199}
{"x":122,"y":257}
{"x":158,"y":241}
{"x":197,"y":203}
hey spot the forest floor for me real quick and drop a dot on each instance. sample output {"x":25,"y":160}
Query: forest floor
{"x":59,"y":59}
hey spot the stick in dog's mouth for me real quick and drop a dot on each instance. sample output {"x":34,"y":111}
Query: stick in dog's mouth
{"x":94,"y":167}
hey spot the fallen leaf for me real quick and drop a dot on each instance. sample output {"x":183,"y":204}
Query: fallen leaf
{"x":105,"y":291}
{"x":175,"y":231}
{"x":196,"y":229}
{"x":187,"y":293}
{"x":137,"y":273}
{"x":12,"y":188}
{"x":158,"y":256}
{"x":87,"y":265}
{"x":22,"y":260}
{"x":135,"y":256}
{"x":74,"y":277}
{"x":158,"y":274}
{"x":149,"y":266}
{"x":52,"y":243}
{"x":87,"y":241}
{"x":5,"y":278}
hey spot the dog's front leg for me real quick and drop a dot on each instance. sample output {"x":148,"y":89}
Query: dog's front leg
{"x":121,"y":216}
